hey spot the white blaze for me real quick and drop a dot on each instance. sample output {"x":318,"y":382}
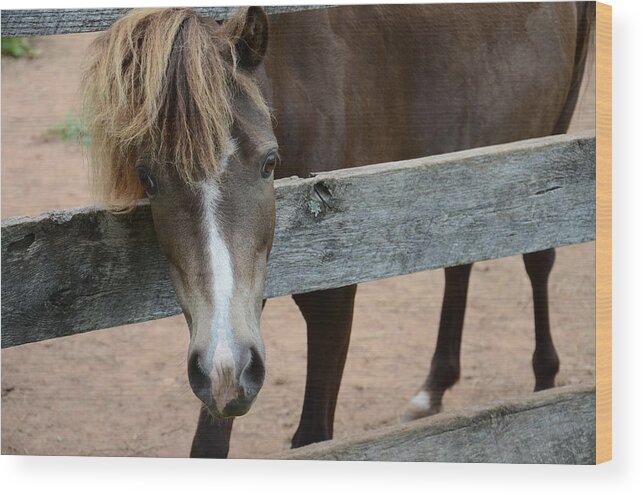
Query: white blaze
{"x":222,"y":289}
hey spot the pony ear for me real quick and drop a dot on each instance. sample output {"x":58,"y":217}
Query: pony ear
{"x":253,"y":40}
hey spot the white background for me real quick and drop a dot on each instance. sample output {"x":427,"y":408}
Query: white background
{"x":111,"y":476}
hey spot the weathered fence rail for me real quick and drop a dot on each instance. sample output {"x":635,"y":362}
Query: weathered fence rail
{"x":41,"y":22}
{"x":77,"y":270}
{"x":553,"y":426}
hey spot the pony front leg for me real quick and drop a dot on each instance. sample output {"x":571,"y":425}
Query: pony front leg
{"x":329,"y":318}
{"x":212,"y":436}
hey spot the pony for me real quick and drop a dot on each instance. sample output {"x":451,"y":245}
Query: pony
{"x":201,"y":117}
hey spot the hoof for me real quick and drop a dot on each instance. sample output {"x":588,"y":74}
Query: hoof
{"x":419,"y":407}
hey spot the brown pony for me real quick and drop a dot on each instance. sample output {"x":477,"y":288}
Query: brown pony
{"x":179,"y":113}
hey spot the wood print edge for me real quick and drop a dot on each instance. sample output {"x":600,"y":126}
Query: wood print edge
{"x":603,"y":232}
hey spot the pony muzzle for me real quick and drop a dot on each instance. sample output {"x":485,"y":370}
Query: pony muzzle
{"x":228,"y":382}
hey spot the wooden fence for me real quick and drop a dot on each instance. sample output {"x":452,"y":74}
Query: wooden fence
{"x":553,"y":426}
{"x":77,"y":270}
{"x":45,"y":22}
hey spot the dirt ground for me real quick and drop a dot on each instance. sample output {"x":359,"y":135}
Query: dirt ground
{"x":124,"y":391}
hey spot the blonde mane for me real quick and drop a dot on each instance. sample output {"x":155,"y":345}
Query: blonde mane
{"x":159,"y":86}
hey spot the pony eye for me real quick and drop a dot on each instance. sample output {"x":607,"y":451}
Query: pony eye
{"x":147,"y":181}
{"x":269,"y":164}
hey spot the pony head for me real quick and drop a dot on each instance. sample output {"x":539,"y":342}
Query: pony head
{"x":177,"y":114}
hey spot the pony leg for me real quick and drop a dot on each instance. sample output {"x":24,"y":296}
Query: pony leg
{"x":545,"y":359}
{"x":212,"y":436}
{"x":445,"y":365}
{"x":329,"y":317}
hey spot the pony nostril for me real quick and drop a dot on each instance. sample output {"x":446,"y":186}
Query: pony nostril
{"x":200,"y":381}
{"x":253,"y":374}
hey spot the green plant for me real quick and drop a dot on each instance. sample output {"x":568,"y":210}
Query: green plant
{"x":71,"y":129}
{"x":17,"y":47}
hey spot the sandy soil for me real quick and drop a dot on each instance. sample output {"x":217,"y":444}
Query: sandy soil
{"x":124,"y":391}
